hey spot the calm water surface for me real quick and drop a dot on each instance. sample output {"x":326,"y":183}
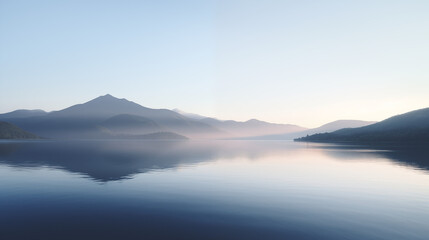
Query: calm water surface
{"x":212,"y":190}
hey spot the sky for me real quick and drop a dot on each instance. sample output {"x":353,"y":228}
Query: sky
{"x":300,"y":62}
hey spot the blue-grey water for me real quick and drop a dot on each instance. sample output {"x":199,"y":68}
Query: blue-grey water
{"x":212,"y":190}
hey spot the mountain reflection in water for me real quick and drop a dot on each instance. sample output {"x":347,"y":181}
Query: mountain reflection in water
{"x":115,"y":160}
{"x":212,"y":190}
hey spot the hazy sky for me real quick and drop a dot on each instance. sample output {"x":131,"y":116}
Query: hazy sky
{"x":302,"y":62}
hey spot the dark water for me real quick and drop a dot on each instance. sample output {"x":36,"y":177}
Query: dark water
{"x":212,"y":190}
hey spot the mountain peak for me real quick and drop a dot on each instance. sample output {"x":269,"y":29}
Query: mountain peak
{"x":101,"y":107}
{"x":107,"y":96}
{"x":253,"y":120}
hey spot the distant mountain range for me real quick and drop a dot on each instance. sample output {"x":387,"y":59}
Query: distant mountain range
{"x":107,"y":117}
{"x":329,"y":127}
{"x":110,"y":117}
{"x":251,"y":127}
{"x":408,"y":127}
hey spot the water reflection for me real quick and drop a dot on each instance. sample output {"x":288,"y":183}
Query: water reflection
{"x":212,"y":190}
{"x":116,"y":160}
{"x":412,"y":155}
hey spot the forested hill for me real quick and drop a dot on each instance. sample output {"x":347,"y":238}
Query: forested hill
{"x":10,"y":131}
{"x":408,"y":127}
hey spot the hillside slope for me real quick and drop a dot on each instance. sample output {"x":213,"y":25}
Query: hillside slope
{"x":10,"y":131}
{"x":412,"y":126}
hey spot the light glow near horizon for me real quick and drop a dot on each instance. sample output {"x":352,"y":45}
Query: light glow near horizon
{"x":304,"y":63}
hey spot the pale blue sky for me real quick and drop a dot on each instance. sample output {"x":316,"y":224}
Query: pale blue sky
{"x":302,"y":62}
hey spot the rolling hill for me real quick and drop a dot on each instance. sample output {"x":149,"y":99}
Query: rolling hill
{"x":10,"y":131}
{"x":408,"y":127}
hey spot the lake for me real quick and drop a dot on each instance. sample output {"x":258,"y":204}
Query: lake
{"x":212,"y":190}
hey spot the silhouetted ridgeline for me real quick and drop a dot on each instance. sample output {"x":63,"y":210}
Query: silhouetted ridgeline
{"x":22,"y":113}
{"x":107,"y":117}
{"x":409,"y":127}
{"x":110,"y":117}
{"x":10,"y":131}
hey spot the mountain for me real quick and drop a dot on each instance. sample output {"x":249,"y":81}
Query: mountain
{"x":10,"y":131}
{"x":189,"y":115}
{"x":408,"y":127}
{"x":329,"y":127}
{"x":109,"y":117}
{"x":130,"y":124}
{"x":88,"y":120}
{"x":104,"y":107}
{"x":23,"y":113}
{"x":251,"y":127}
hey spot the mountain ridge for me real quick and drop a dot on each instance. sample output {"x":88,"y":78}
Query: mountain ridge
{"x":251,"y":127}
{"x":23,"y":113}
{"x":84,"y":120}
{"x":90,"y":120}
{"x":107,"y":117}
{"x":410,"y":126}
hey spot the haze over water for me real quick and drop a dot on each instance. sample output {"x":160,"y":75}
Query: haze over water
{"x":212,"y":190}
